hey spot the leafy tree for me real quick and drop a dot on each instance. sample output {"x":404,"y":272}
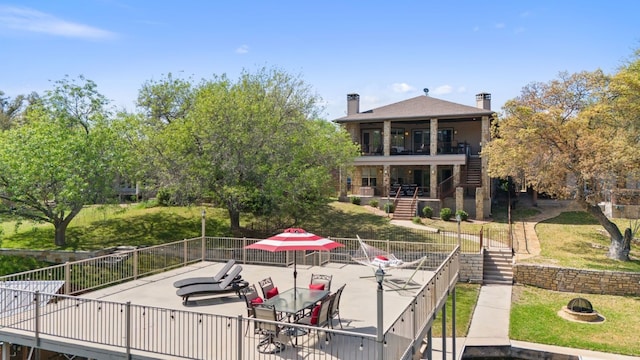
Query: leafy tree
{"x":254,"y":145}
{"x":10,"y":110}
{"x":63,"y":157}
{"x":569,"y":138}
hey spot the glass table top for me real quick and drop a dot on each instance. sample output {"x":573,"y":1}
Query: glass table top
{"x":296,"y":299}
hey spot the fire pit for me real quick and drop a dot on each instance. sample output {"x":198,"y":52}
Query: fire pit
{"x":580,"y":309}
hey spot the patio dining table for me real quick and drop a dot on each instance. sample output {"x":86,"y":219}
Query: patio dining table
{"x":294,"y":301}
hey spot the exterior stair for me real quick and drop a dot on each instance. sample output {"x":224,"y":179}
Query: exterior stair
{"x":498,"y":266}
{"x":405,"y":209}
{"x":474,"y":172}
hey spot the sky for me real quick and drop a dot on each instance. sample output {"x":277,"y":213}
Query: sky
{"x":385,"y":51}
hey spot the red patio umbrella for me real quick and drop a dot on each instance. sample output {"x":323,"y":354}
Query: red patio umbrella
{"x":293,"y":239}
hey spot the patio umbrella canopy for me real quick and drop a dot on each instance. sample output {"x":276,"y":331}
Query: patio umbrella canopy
{"x":293,"y":239}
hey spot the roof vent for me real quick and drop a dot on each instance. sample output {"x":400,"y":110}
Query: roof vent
{"x":426,"y":91}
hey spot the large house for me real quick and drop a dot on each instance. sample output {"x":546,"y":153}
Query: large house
{"x":422,"y":151}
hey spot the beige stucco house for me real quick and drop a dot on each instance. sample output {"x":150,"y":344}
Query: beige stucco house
{"x":424,"y":149}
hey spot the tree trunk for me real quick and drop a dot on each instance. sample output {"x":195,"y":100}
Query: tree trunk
{"x":61,"y":230}
{"x":60,"y":224}
{"x":619,"y":250}
{"x":620,"y":245}
{"x":234,"y":217}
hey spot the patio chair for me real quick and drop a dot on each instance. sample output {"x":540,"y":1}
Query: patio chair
{"x":321,"y":279}
{"x":269,"y":344}
{"x":225,"y":286}
{"x":268,"y":289}
{"x":320,"y":316}
{"x":251,"y":299}
{"x":222,"y":273}
{"x":335,"y":307}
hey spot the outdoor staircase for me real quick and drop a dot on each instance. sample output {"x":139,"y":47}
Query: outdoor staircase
{"x":498,"y":266}
{"x":474,"y":172}
{"x":405,"y":209}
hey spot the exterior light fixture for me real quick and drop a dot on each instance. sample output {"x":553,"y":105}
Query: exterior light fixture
{"x":380,"y":277}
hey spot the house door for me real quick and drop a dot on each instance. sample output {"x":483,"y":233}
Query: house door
{"x":444,"y":178}
{"x":423,"y":180}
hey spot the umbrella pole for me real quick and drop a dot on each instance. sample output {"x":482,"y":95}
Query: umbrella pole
{"x":295,"y":276}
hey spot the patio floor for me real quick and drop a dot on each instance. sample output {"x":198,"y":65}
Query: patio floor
{"x":358,"y":305}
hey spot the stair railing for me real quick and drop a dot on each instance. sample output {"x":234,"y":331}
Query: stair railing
{"x":414,"y":201}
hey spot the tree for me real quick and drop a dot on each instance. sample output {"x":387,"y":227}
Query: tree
{"x":64,"y":156}
{"x":567,"y":138}
{"x":254,"y":145}
{"x":10,"y":110}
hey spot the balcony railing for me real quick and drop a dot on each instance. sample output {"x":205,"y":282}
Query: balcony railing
{"x":443,"y":148}
{"x":128,"y":329}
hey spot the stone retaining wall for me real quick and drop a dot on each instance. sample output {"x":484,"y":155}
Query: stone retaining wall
{"x":577,"y":280}
{"x":471,"y":266}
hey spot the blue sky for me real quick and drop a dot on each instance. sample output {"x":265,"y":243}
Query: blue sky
{"x":385,"y":51}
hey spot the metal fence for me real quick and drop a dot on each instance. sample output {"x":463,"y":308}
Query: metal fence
{"x":187,"y":334}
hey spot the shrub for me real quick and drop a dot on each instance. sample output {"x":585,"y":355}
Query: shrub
{"x":164,"y":197}
{"x":373,"y":203}
{"x":388,"y":207}
{"x":416,"y":220}
{"x":445,"y":214}
{"x":355,"y":200}
{"x":427,"y":212}
{"x":463,"y":215}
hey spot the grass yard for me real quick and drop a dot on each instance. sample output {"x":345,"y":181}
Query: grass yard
{"x":576,"y":240}
{"x":466,"y":298}
{"x":112,"y":225}
{"x":138,"y":225}
{"x":534,"y":318}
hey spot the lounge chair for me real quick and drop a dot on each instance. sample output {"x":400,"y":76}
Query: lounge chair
{"x":227,"y":285}
{"x":207,"y":279}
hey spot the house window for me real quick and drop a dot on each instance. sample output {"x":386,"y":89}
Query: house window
{"x":421,"y":140}
{"x":397,"y":139}
{"x":372,"y":141}
{"x":369,"y":176}
{"x":445,"y":141}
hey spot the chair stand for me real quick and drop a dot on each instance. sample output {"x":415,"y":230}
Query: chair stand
{"x":269,"y":345}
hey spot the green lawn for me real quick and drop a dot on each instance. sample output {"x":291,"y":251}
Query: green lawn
{"x":466,"y":298}
{"x":534,"y":318}
{"x":575,"y":239}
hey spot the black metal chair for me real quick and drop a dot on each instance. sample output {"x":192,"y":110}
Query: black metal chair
{"x":321,"y":318}
{"x":335,"y":307}
{"x":270,"y":331}
{"x":266,"y":285}
{"x":321,"y":279}
{"x":250,"y":294}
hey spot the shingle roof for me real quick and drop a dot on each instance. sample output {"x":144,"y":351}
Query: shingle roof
{"x":419,"y":107}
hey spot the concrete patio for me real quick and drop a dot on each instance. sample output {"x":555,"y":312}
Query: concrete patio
{"x":358,"y":305}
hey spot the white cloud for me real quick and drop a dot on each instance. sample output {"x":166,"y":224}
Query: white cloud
{"x":519,"y":30}
{"x":461,"y":90}
{"x":25,"y":19}
{"x":476,"y":28}
{"x":500,"y":26}
{"x":243,"y":49}
{"x":402,"y":88}
{"x":443,"y":89}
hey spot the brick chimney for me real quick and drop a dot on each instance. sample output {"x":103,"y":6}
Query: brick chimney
{"x":353,"y":104}
{"x":483,"y":101}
